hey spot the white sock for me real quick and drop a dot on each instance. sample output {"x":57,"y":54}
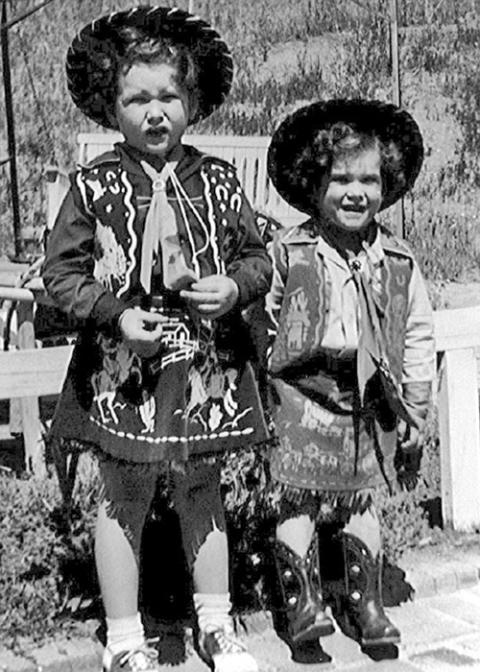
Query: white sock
{"x":123,"y":634}
{"x":213,"y":613}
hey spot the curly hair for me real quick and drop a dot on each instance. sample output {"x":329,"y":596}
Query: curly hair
{"x":133,"y":46}
{"x":345,"y":140}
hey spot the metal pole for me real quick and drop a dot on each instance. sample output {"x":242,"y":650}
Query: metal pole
{"x":397,"y":95}
{"x":25,"y":15}
{"x":398,"y":211}
{"x":7,"y":86}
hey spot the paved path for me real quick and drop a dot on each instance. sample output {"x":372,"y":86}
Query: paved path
{"x":439,"y":634}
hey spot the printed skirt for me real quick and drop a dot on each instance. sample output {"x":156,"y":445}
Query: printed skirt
{"x":324,"y":451}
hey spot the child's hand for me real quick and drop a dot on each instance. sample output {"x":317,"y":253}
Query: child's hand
{"x":408,"y":437}
{"x":213,"y":296}
{"x":410,"y":454}
{"x":141,"y":331}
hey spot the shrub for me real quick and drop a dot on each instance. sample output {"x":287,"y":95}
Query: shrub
{"x":31,"y":593}
{"x":404,"y":515}
{"x":45,"y":564}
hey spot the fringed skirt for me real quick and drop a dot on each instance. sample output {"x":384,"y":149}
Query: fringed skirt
{"x":321,"y":452}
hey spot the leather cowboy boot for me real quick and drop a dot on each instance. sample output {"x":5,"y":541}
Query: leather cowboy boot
{"x":301,"y":592}
{"x":363,"y":606}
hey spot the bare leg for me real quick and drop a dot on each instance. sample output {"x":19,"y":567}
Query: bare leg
{"x":297,"y":533}
{"x":202,"y":520}
{"x":117,"y":566}
{"x":210,"y":568}
{"x":297,"y":562}
{"x":127,"y":491}
{"x":363,"y":582}
{"x":366,"y":527}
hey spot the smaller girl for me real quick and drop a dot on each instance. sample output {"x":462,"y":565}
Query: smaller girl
{"x":352,"y":361}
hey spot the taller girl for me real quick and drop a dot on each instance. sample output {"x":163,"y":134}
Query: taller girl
{"x":156,"y":251}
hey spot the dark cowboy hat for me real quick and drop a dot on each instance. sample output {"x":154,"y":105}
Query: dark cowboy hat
{"x":297,"y":132}
{"x":93,"y":54}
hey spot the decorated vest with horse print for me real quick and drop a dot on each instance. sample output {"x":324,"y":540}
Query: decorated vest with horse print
{"x":119,"y":201}
{"x":306,"y":303}
{"x":326,"y":441}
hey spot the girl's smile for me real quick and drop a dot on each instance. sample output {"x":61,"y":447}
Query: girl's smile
{"x":350,"y":197}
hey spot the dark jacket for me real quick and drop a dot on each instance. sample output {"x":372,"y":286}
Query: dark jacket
{"x":92,"y":269}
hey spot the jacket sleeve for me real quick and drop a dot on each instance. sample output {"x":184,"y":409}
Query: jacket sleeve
{"x":249,"y":264}
{"x":419,"y":355}
{"x":68,"y":269}
{"x":275,"y":296}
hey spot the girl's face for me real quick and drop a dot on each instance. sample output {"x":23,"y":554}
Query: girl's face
{"x":152,"y":110}
{"x":350,"y":197}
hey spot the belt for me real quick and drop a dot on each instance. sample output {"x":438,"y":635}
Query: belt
{"x":320,"y":363}
{"x":167,"y":300}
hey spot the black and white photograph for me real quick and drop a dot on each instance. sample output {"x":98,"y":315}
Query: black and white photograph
{"x":239,"y":335}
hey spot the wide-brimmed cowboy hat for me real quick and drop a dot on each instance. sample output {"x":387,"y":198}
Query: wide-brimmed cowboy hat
{"x":94,"y":52}
{"x":298,"y":131}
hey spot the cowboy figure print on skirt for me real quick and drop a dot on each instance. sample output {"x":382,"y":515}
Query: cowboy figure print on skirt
{"x":210,"y":399}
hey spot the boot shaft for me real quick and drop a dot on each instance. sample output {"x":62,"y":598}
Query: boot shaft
{"x":363,"y":604}
{"x":301,"y":592}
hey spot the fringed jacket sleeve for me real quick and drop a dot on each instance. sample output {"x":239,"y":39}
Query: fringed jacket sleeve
{"x":68,"y":270}
{"x":419,"y":354}
{"x":274,"y":298}
{"x":248,"y":262}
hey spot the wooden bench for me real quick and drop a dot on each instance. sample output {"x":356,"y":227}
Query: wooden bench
{"x":247,"y":153}
{"x":36,"y":372}
{"x":26,"y":372}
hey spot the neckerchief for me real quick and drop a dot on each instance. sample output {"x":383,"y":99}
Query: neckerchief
{"x":161,"y":234}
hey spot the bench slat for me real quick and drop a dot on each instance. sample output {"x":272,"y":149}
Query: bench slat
{"x":33,"y":372}
{"x":247,"y":153}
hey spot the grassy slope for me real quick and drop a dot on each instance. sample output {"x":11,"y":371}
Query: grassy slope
{"x":287,"y":54}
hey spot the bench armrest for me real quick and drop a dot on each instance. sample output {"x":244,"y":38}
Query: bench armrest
{"x":57,"y":187}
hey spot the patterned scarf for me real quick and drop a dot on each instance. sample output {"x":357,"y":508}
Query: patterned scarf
{"x":161,"y":234}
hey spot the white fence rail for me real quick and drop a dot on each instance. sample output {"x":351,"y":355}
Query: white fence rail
{"x":457,"y":335}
